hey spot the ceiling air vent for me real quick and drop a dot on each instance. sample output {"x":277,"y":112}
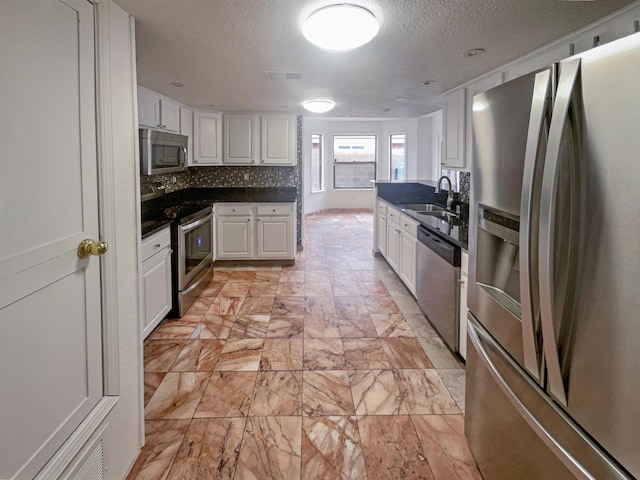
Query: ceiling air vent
{"x":283,"y":75}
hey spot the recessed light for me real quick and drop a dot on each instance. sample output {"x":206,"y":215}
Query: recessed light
{"x":284,"y":107}
{"x":386,"y":110}
{"x":402,"y":100}
{"x":340,"y":27}
{"x":318,"y":106}
{"x":177,"y":84}
{"x":427,"y":82}
{"x":474,"y":52}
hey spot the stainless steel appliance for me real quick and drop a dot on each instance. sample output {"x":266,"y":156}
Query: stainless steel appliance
{"x":193,"y":243}
{"x":552,"y":369}
{"x":162,"y":152}
{"x":438,"y":273}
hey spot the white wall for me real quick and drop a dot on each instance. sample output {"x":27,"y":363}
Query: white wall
{"x":330,"y":198}
{"x":429,"y":148}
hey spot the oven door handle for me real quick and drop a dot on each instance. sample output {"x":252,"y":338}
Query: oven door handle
{"x":196,"y":223}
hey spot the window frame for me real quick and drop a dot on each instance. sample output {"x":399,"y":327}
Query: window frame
{"x":391,"y":179}
{"x":335,"y":162}
{"x":321,"y":164}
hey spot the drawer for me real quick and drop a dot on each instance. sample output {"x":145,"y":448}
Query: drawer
{"x":409,"y":225}
{"x":382,"y":207}
{"x":234,"y":209}
{"x":156,"y":242}
{"x":393,"y":215}
{"x":274,"y":209}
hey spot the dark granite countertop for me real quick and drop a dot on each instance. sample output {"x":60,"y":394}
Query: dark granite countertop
{"x":158,"y":213}
{"x":455,"y":230}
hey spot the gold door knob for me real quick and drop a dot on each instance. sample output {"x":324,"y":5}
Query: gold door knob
{"x":90,"y":247}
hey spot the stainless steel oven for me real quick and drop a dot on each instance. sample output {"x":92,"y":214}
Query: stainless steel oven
{"x":193,"y":259}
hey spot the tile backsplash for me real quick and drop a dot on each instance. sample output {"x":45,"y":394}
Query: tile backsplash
{"x":241,"y":176}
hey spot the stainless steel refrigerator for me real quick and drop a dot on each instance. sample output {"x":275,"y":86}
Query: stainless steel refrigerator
{"x":553,"y":367}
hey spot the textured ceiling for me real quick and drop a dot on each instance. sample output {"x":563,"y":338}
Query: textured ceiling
{"x":219,"y":50}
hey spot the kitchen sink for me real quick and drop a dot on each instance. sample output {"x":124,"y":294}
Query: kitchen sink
{"x":424,"y":208}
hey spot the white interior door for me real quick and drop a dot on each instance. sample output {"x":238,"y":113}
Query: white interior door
{"x":50,"y":312}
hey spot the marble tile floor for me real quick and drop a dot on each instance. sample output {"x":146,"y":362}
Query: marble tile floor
{"x":323,"y":370}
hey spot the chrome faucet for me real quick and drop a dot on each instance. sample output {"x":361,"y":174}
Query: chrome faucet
{"x":450,"y":196}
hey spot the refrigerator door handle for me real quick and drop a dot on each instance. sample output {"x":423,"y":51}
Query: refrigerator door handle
{"x":566,"y":84}
{"x":539,"y":105}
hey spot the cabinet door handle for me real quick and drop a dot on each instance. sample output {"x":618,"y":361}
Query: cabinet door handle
{"x":258,"y":219}
{"x":157,"y":245}
{"x":248,"y":219}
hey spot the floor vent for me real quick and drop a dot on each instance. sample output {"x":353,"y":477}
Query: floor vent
{"x":93,"y":466}
{"x":284,"y":75}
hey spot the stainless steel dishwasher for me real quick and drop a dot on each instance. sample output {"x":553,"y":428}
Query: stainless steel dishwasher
{"x":437,"y":284}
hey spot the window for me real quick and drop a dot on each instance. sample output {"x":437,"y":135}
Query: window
{"x":354,"y":161}
{"x":317,"y":182}
{"x":397,"y":159}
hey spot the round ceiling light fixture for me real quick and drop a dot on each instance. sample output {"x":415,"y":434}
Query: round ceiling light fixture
{"x":318,"y":106}
{"x":340,"y":27}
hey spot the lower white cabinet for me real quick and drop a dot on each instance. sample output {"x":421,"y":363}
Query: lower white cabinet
{"x":399,"y":245}
{"x":156,"y":279}
{"x":407,"y":260}
{"x":255,"y":231}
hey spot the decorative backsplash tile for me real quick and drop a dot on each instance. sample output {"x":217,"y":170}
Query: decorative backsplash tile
{"x":465,"y":186}
{"x":234,"y":176}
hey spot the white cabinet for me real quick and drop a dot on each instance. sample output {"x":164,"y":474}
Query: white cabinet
{"x":462,"y":314}
{"x":453,"y":118}
{"x":275,"y":232}
{"x":381,"y":227}
{"x":156,"y":279}
{"x":157,"y":111}
{"x":235,"y":231}
{"x":407,"y":247}
{"x":260,"y":139}
{"x":400,"y":248}
{"x":256,"y":231}
{"x":278,"y":134}
{"x":186,"y":128}
{"x":240,"y":138}
{"x":392,"y":250}
{"x":207,"y":138}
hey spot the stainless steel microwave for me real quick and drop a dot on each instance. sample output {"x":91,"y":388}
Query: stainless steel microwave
{"x":162,"y":152}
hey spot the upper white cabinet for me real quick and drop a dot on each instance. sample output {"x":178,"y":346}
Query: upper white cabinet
{"x":207,"y":138}
{"x":186,"y":128}
{"x":453,"y":117}
{"x":240,"y":138}
{"x":157,"y":111}
{"x":278,"y":133}
{"x":259,"y":139}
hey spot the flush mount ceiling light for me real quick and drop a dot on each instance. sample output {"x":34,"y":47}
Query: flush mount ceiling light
{"x":318,"y":106}
{"x":341,"y":27}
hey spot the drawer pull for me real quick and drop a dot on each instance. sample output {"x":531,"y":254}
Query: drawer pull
{"x":157,"y":245}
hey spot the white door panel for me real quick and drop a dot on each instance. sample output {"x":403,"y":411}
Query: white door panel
{"x":50,"y":312}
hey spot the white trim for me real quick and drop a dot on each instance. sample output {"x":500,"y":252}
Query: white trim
{"x":136,"y":156}
{"x":78,"y":439}
{"x":106,"y":195}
